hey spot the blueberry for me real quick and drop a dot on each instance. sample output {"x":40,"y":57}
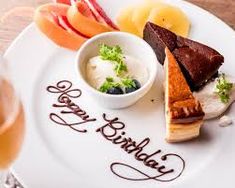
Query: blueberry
{"x":132,"y":89}
{"x":115,"y":91}
{"x":137,"y":84}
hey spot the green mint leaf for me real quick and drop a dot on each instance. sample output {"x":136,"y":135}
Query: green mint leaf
{"x":120,"y":68}
{"x":115,"y":55}
{"x":223,"y":88}
{"x":128,"y":83}
{"x":108,"y":84}
{"x":109,"y":79}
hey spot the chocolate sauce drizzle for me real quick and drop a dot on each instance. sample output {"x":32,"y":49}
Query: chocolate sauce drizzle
{"x":110,"y":132}
{"x":64,"y":101}
{"x":113,"y":131}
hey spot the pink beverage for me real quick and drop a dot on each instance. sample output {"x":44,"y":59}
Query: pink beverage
{"x":11,"y":124}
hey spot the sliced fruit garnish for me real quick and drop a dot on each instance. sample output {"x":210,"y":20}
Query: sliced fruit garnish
{"x":141,"y":14}
{"x":63,"y":22}
{"x":99,"y":11}
{"x":125,"y":22}
{"x":68,"y":2}
{"x":51,"y":20}
{"x":133,"y":19}
{"x":91,"y":13}
{"x":84,"y":9}
{"x":82,"y":20}
{"x":171,"y":18}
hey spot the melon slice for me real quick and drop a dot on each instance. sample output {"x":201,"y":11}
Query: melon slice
{"x":100,"y":13}
{"x":51,"y":20}
{"x":68,"y":2}
{"x":82,"y":19}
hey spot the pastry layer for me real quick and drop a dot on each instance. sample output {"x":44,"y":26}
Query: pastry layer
{"x":182,"y":132}
{"x":184,"y":115}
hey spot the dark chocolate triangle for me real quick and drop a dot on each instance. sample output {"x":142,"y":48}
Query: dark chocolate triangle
{"x":198,"y":62}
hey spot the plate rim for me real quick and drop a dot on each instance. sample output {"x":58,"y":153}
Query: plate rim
{"x":31,"y":25}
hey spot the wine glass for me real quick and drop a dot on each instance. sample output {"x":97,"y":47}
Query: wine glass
{"x":12,"y":125}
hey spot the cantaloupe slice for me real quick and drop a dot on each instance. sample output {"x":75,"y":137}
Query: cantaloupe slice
{"x":47,"y":20}
{"x":84,"y":24}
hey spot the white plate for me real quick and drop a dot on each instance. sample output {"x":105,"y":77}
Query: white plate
{"x":57,"y":156}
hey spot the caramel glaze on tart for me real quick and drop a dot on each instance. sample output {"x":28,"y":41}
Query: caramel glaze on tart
{"x":184,"y":114}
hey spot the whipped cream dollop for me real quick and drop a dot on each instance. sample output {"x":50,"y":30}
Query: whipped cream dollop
{"x":98,"y":70}
{"x":210,"y":101}
{"x":225,"y":121}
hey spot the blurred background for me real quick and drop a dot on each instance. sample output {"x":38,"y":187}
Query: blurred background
{"x":6,"y":5}
{"x":222,"y":8}
{"x":15,"y":15}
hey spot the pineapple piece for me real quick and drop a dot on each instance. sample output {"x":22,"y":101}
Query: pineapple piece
{"x":133,"y":18}
{"x":141,"y":13}
{"x":125,"y":23}
{"x":171,"y":18}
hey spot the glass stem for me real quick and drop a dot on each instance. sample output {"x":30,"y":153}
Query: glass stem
{"x":3,"y":178}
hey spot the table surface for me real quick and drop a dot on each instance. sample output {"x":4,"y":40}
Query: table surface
{"x":16,"y":15}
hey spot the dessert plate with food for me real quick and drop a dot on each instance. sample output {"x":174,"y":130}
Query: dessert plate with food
{"x":126,"y":94}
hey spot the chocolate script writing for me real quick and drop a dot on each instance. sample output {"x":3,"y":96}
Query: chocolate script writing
{"x":64,"y":101}
{"x":113,"y":131}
